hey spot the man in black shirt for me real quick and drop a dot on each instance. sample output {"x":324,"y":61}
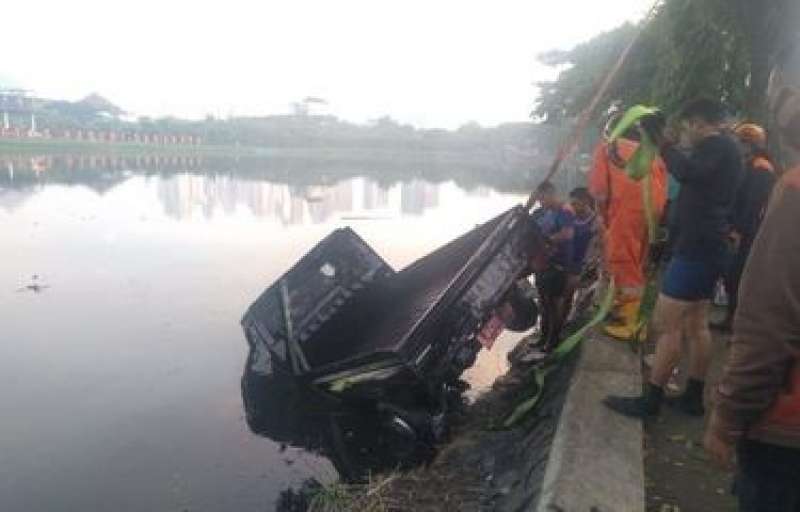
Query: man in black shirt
{"x":751,"y":202}
{"x":709,"y":179}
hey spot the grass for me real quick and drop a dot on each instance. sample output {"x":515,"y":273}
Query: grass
{"x":340,"y":497}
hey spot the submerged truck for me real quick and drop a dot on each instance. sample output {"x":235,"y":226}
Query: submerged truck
{"x":342,"y":322}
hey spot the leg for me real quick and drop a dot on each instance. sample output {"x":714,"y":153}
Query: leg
{"x":551,"y":290}
{"x":699,"y":340}
{"x":670,"y":321}
{"x":626,"y":252}
{"x":547,"y":321}
{"x":573,"y":281}
{"x":545,"y":315}
{"x":670,"y":316}
{"x":557,"y":324}
{"x":767,"y":478}
{"x":691,"y":402}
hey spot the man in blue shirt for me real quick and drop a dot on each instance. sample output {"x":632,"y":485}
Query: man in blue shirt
{"x":556,"y":221}
{"x":585,"y":246}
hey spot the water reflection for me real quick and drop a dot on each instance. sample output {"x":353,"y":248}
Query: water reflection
{"x":185,"y":188}
{"x":184,"y":195}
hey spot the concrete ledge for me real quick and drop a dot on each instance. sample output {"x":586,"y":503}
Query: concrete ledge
{"x":596,"y":459}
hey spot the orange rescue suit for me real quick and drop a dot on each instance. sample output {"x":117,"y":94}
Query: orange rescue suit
{"x":626,"y":240}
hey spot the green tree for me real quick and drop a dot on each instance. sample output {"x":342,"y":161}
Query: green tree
{"x":720,"y":48}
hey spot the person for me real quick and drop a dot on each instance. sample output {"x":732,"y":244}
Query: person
{"x":709,"y":179}
{"x":621,"y":208}
{"x":751,"y":202}
{"x":556,"y":221}
{"x":586,"y":246}
{"x":669,"y":219}
{"x":758,"y":397}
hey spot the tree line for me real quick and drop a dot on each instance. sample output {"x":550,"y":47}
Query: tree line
{"x":718,"y":48}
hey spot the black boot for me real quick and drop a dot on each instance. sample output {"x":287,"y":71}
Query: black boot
{"x":643,"y":406}
{"x":691,"y":401}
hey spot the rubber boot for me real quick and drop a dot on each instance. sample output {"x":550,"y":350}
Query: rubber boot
{"x":691,"y":401}
{"x":644,"y":406}
{"x":629,"y":329}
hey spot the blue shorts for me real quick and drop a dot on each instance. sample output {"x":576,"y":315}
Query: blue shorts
{"x":691,"y":281}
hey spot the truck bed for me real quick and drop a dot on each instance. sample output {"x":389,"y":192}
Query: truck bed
{"x":382,"y":317}
{"x":342,"y":309}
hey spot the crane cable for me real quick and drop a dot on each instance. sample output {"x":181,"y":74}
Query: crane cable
{"x":571,"y":143}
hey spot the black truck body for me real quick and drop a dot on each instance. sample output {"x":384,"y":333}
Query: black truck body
{"x":343,"y":322}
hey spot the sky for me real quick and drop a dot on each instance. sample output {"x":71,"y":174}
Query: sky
{"x":431,"y":63}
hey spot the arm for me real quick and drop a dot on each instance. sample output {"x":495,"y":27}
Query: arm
{"x":741,"y":209}
{"x":751,"y":202}
{"x":599,"y":181}
{"x":767,"y":330}
{"x":762,"y":189}
{"x":703,"y":161}
{"x":566,"y":227}
{"x":564,"y":234}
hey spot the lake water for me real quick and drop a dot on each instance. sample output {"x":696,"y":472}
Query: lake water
{"x":120,"y":348}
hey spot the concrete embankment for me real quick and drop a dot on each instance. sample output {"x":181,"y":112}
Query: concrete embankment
{"x":596,"y":458}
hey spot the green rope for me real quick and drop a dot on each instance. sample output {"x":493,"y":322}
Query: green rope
{"x":640,"y":165}
{"x":559,"y":354}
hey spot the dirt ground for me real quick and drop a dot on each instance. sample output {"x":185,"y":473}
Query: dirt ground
{"x":679,"y":476}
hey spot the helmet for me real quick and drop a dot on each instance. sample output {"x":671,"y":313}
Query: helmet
{"x":784,"y":95}
{"x":751,"y":133}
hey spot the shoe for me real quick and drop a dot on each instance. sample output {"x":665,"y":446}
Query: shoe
{"x":686,"y":405}
{"x":645,"y":406}
{"x":691,"y":401}
{"x":626,"y":332}
{"x":632,"y":407}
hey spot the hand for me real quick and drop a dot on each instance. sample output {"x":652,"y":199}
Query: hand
{"x":654,"y":127}
{"x":720,"y":450}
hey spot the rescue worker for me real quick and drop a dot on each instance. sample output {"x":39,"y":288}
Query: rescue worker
{"x":757,"y":406}
{"x":621,"y":207}
{"x":556,"y":221}
{"x":709,"y":179}
{"x":751,"y":202}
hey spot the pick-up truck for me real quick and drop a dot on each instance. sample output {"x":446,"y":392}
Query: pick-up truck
{"x":345,"y":324}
